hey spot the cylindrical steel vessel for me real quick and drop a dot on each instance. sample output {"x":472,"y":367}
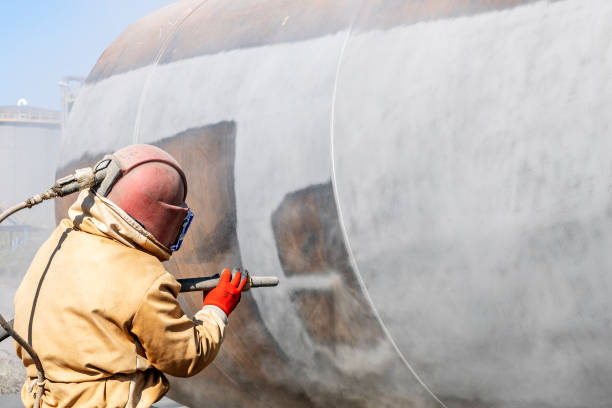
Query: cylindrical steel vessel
{"x":429,"y":179}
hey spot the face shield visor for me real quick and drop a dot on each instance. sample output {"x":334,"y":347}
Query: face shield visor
{"x":181,"y":236}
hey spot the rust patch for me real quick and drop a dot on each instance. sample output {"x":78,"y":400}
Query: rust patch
{"x":307,"y":232}
{"x":310,"y":243}
{"x":220,"y":26}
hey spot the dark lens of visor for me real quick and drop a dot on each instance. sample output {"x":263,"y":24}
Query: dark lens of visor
{"x":181,"y":235}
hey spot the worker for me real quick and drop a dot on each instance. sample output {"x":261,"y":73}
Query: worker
{"x":97,"y":305}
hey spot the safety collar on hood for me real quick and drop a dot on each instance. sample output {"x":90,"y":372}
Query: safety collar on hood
{"x":97,"y":215}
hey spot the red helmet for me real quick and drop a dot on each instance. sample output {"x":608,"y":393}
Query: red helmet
{"x":149,"y":184}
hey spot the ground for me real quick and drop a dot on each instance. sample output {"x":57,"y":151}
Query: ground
{"x":11,"y":373}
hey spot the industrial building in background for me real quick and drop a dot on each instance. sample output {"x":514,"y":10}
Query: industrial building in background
{"x":29,"y":149}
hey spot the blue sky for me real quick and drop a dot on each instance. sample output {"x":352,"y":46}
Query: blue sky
{"x":43,"y":41}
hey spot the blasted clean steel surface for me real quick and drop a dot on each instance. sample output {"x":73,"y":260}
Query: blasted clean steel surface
{"x":491,"y":158}
{"x":463,"y":184}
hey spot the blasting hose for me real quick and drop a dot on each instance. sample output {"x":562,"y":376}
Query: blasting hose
{"x":40,"y":381}
{"x":3,"y":333}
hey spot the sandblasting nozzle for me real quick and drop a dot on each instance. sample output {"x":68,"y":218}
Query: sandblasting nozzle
{"x":208,"y":283}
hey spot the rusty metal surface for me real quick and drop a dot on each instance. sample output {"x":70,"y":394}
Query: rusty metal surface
{"x":427,"y":178}
{"x":252,"y":23}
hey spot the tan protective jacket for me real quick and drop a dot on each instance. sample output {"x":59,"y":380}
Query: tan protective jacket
{"x":100,"y":310}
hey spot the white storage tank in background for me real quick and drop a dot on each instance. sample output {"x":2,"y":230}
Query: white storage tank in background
{"x":29,"y":146}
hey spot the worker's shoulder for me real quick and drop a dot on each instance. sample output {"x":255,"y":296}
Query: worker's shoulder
{"x":96,"y":247}
{"x":96,"y":255}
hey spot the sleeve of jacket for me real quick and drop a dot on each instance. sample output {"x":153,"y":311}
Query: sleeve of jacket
{"x":174,"y":343}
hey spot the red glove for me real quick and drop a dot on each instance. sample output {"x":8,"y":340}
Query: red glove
{"x":227,"y":293}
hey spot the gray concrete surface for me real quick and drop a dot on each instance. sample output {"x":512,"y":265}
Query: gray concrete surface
{"x":10,"y":401}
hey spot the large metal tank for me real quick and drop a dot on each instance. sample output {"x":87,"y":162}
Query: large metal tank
{"x":429,"y":179}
